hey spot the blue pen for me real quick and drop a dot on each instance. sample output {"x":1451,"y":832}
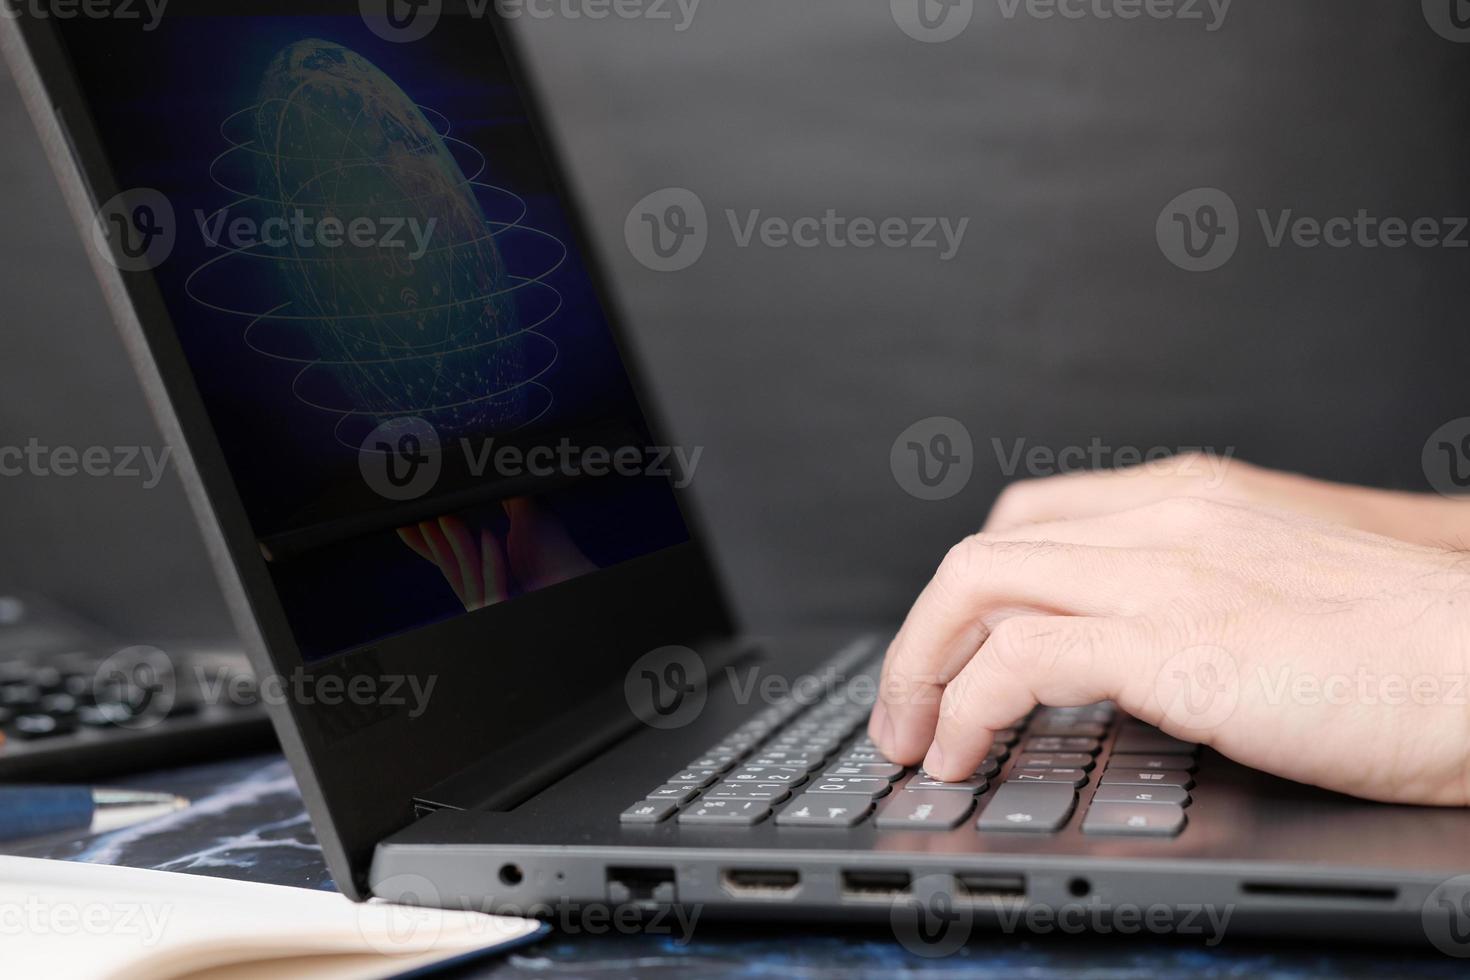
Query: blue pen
{"x":28,"y":811}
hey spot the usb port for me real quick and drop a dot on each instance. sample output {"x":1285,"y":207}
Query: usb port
{"x":875,"y":884}
{"x":760,"y":882}
{"x":978,"y":886}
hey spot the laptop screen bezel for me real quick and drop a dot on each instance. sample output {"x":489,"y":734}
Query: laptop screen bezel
{"x":360,"y":772}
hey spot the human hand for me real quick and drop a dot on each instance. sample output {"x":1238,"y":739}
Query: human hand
{"x":1319,"y":653}
{"x":1419,"y":517}
{"x":480,"y":568}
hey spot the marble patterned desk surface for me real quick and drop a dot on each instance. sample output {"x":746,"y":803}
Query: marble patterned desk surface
{"x":247,"y":821}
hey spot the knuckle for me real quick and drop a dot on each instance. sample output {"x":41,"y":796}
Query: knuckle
{"x":961,"y":565}
{"x":1011,"y":647}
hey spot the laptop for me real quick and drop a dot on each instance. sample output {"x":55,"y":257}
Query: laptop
{"x":450,"y":522}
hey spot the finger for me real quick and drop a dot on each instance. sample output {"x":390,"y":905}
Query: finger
{"x":466,"y":553}
{"x":443,"y":556}
{"x":1075,"y":495}
{"x":1080,"y":495}
{"x":982,"y":582}
{"x":414,"y":538}
{"x":493,"y":569}
{"x":1056,"y":661}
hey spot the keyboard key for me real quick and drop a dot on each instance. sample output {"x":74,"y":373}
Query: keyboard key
{"x":989,"y":766}
{"x":1177,"y":795}
{"x":1134,"y":819}
{"x":921,"y":781}
{"x":1038,"y":808}
{"x":857,"y":785}
{"x":41,"y":726}
{"x":818,"y":810}
{"x":765,"y":792}
{"x":1008,"y":736}
{"x":874,"y":770}
{"x":1076,"y":778}
{"x":1058,"y":743}
{"x":859,"y":756}
{"x":1147,"y":777}
{"x":1151,"y":741}
{"x":677,"y":792}
{"x":808,"y":762}
{"x":1070,"y":729}
{"x":767,"y":774}
{"x":737,"y":813}
{"x":918,"y":809}
{"x":1055,"y":760}
{"x":1181,"y":763}
{"x":648,"y":811}
{"x":695,"y":777}
{"x":716,"y":761}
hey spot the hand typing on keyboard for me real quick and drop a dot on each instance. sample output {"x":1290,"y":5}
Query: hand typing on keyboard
{"x":1304,"y":643}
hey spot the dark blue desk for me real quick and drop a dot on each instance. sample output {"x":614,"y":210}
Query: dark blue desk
{"x":248,"y":822}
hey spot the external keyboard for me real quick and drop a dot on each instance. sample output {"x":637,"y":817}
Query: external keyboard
{"x":807,"y":764}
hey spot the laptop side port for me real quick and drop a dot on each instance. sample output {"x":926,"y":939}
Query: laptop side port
{"x":875,"y":884}
{"x":763,"y":883}
{"x":641,"y":886}
{"x":975,"y":886}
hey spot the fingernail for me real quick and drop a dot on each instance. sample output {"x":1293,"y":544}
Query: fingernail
{"x":934,"y":759}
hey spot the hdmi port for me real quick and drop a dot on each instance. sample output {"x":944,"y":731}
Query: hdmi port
{"x":875,"y":884}
{"x":760,"y":882}
{"x":989,"y":887}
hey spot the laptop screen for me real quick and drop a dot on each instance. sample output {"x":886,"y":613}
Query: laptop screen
{"x":374,"y":283}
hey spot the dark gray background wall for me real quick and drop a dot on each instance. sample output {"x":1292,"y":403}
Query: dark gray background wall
{"x":1059,"y":321}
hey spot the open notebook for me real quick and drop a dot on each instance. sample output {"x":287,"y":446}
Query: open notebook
{"x":63,"y":920}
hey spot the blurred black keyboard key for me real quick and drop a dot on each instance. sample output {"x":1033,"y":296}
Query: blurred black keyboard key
{"x":1146,"y":777}
{"x":648,"y":811}
{"x":924,"y":810}
{"x":1072,"y":777}
{"x":1134,"y":819}
{"x":1178,"y":761}
{"x":1106,"y":793}
{"x":1037,"y":808}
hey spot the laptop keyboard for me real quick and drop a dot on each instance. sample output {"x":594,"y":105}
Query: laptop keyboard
{"x":809,"y":764}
